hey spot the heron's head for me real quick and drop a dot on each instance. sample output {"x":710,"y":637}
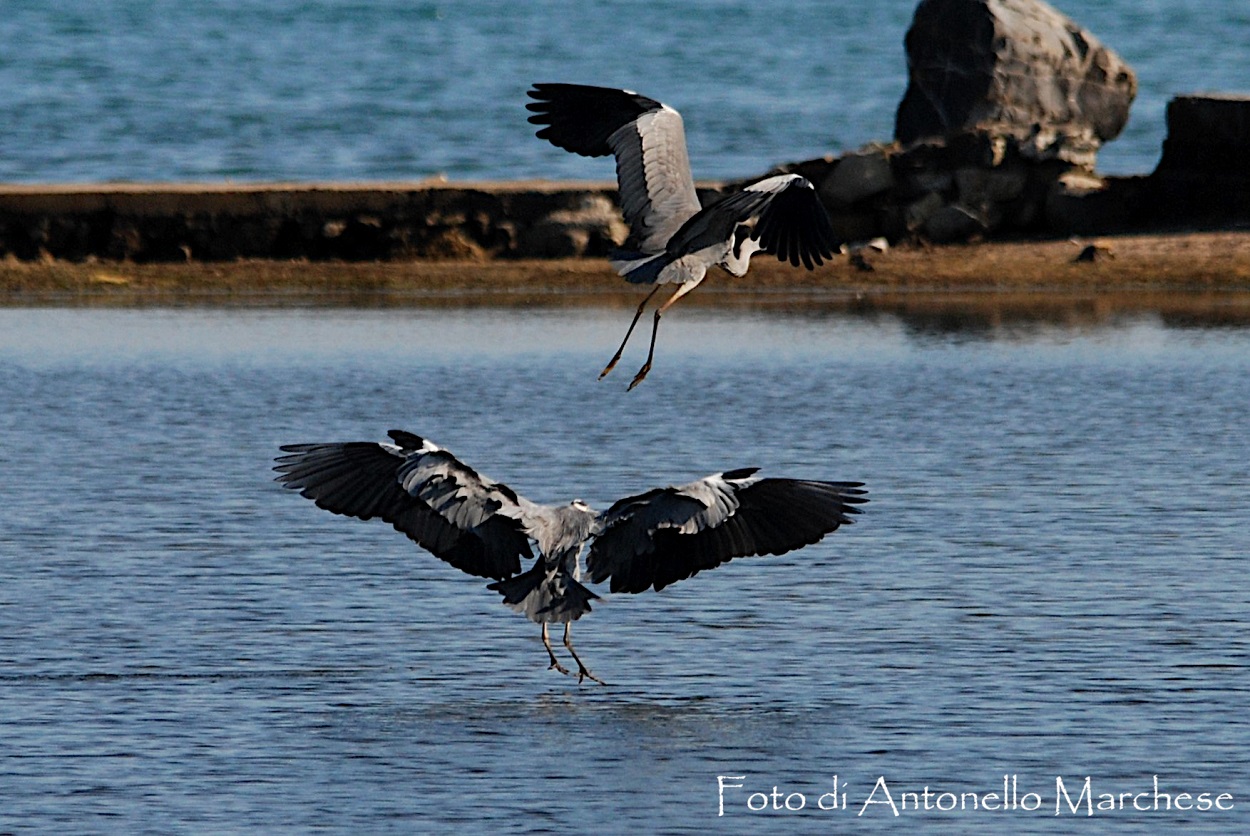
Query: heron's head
{"x":581,"y":505}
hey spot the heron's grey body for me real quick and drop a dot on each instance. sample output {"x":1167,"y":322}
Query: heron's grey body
{"x":674,"y":238}
{"x":551,"y":592}
{"x":484,"y":528}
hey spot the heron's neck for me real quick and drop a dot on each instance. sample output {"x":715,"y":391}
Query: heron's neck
{"x":738,"y":259}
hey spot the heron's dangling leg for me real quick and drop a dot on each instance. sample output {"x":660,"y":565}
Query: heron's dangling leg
{"x":547,"y":644}
{"x":582,"y":670}
{"x":637,"y":314}
{"x":655,"y":326}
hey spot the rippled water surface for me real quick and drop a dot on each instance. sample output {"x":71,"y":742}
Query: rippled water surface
{"x":396,"y":89}
{"x":1050,"y":579}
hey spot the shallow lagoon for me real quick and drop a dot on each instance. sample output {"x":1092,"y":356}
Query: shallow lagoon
{"x":1050,"y":579}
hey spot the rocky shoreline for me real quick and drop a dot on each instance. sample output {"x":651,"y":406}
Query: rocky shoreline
{"x":1191,"y":276}
{"x":989,"y":190}
{"x":996,"y":139}
{"x":480,"y":222}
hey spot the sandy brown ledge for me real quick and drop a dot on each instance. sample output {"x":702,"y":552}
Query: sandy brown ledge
{"x":1204,"y":274}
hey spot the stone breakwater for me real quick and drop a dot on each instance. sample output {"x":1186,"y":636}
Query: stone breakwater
{"x":871,"y":194}
{"x":1008,"y":102}
{"x":977,"y":184}
{"x":347,"y":222}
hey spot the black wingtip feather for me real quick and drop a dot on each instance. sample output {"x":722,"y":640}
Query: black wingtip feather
{"x":579,"y":118}
{"x":796,"y":227}
{"x":406,"y":440}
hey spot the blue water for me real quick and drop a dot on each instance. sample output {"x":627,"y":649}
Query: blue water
{"x":157,"y":90}
{"x":1050,"y":580}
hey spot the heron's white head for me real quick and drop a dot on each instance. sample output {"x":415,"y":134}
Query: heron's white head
{"x":581,"y":505}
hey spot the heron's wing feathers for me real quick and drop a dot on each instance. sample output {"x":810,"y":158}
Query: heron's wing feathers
{"x":669,"y":534}
{"x":648,"y":140}
{"x":790,"y":221}
{"x":653,"y":173}
{"x":715,"y":223}
{"x":793,"y":224}
{"x":581,"y":119}
{"x":443,"y":505}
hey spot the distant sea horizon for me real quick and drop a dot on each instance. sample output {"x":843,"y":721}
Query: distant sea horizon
{"x":295,"y":91}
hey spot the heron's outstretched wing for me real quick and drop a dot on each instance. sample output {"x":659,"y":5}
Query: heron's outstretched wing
{"x":792,"y":222}
{"x":648,"y":140}
{"x":446,"y":507}
{"x":669,"y":534}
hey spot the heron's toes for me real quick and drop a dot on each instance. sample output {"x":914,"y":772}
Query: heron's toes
{"x":583,"y":673}
{"x":638,"y":378}
{"x":558,"y":667}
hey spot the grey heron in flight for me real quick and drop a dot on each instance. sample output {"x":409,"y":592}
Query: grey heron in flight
{"x":485,"y":528}
{"x":674,"y":238}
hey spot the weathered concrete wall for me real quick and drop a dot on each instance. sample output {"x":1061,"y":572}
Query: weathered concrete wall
{"x":348,"y":222}
{"x":1204,"y":173}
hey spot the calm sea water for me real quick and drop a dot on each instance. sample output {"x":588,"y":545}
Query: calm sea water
{"x":155,"y":90}
{"x":1050,"y":579}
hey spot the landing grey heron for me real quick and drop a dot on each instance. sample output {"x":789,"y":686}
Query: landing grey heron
{"x":674,"y":238}
{"x":484,"y":528}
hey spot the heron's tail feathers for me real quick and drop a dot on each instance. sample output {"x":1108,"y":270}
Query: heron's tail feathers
{"x":545,"y":596}
{"x":640,"y":268}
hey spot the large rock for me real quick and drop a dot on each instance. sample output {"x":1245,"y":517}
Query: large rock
{"x":1017,"y":68}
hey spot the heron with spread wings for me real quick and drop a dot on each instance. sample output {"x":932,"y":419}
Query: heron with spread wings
{"x":674,"y":238}
{"x":484,"y":528}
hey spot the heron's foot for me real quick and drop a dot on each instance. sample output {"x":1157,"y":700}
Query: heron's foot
{"x":584,"y":673}
{"x":610,"y":366}
{"x":638,"y":378}
{"x":556,"y":666}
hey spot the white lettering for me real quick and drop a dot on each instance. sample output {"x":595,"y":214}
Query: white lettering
{"x":1061,"y":795}
{"x":1167,"y":798}
{"x":943,"y":800}
{"x":880,"y":785}
{"x":721,"y":785}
